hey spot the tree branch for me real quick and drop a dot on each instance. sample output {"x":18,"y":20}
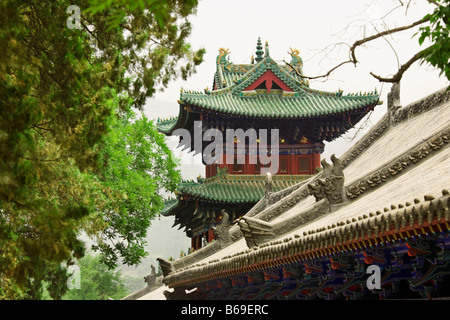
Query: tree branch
{"x":321,"y":76}
{"x":403,"y":68}
{"x":434,"y":2}
{"x":352,"y":58}
{"x":381,"y":34}
{"x":90,"y":32}
{"x":45,"y":160}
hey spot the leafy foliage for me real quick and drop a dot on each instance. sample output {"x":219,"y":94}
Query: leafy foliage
{"x":139,"y":165}
{"x":438,"y":32}
{"x":73,"y":157}
{"x":97,"y":282}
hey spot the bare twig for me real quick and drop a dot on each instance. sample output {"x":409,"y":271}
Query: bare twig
{"x":434,"y":2}
{"x":392,"y":10}
{"x":392,"y":47}
{"x":321,"y":76}
{"x":44,"y":160}
{"x":89,"y":31}
{"x":403,"y":68}
{"x":370,"y":22}
{"x":381,"y":34}
{"x":354,"y":60}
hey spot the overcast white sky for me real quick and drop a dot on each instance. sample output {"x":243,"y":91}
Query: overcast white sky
{"x":309,"y":26}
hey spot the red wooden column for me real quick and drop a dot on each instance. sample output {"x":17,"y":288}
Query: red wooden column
{"x":211,"y":170}
{"x":223,"y":164}
{"x":316,"y":161}
{"x":210,"y":235}
{"x":199,"y":241}
{"x":292,"y":165}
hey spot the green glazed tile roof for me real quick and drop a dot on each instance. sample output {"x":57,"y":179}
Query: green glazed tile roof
{"x":169,"y":205}
{"x":277,"y":105}
{"x":229,"y":189}
{"x":231,"y":98}
{"x":166,"y":125}
{"x":236,"y":188}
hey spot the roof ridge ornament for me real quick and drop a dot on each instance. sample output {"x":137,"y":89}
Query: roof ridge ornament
{"x":222,"y":231}
{"x":255,"y":231}
{"x":259,"y":51}
{"x":394,"y":103}
{"x":331,"y":186}
{"x":222,"y":172}
{"x":167,"y":266}
{"x":222,"y":57}
{"x":296,"y":61}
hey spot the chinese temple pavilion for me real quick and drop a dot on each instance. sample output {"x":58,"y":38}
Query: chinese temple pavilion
{"x":260,"y":95}
{"x":373,"y":224}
